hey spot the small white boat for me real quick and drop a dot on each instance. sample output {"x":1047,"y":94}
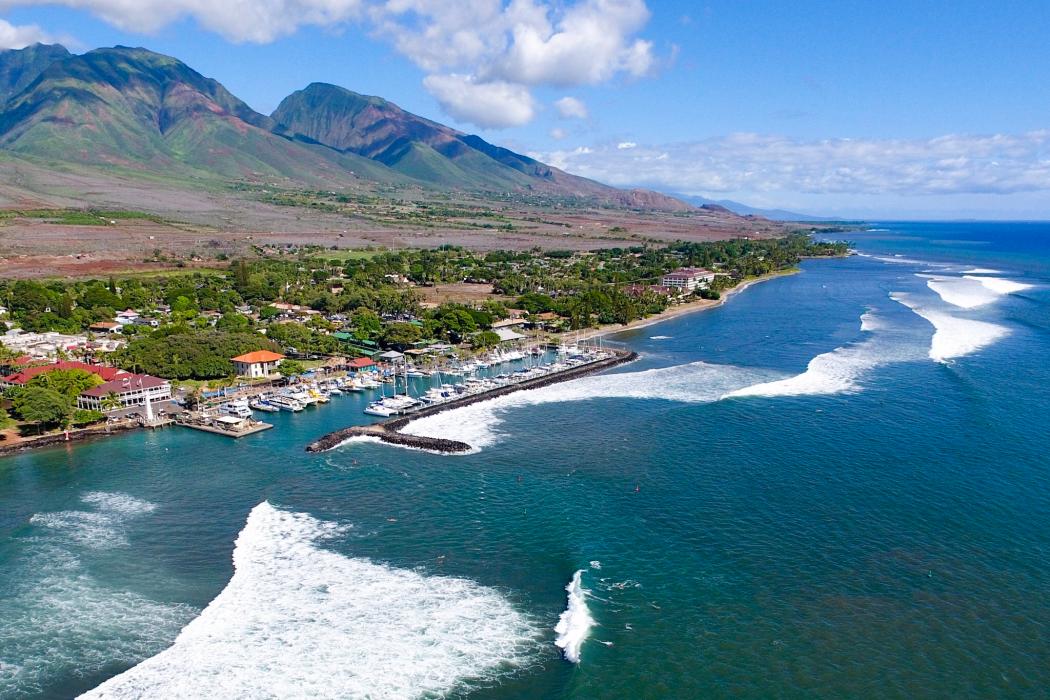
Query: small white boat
{"x":378,"y":408}
{"x":261,"y":404}
{"x":285,"y":403}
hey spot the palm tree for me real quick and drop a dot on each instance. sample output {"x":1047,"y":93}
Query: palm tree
{"x":111,"y":402}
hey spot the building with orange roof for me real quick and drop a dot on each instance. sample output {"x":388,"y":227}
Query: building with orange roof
{"x":261,"y":363}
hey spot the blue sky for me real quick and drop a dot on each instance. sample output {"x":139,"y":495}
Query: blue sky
{"x":894,"y":109}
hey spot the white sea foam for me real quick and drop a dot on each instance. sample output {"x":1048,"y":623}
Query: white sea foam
{"x":953,"y":336}
{"x":869,"y":322}
{"x":966,"y":293}
{"x":576,"y":622}
{"x":100,"y":528}
{"x":982,"y":271}
{"x":659,"y":337}
{"x":833,"y":372}
{"x":299,"y":621}
{"x":60,"y":617}
{"x":999,"y":285}
{"x":479,"y":424}
{"x":842,"y":369}
{"x":900,"y":260}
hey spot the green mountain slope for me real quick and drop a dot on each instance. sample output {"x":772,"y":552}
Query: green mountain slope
{"x":428,"y":151}
{"x":19,"y":68}
{"x":138,"y":111}
{"x":135,"y":108}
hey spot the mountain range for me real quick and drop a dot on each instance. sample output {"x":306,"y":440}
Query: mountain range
{"x":134,"y":110}
{"x":747,"y":210}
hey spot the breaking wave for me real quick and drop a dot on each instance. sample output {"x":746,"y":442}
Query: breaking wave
{"x":478,"y":424}
{"x":833,"y":372}
{"x":297,"y":621}
{"x":869,"y":322}
{"x":953,"y":336}
{"x":969,"y":291}
{"x":576,"y":622}
{"x":963,"y":292}
{"x":840,"y":371}
{"x":999,"y":285}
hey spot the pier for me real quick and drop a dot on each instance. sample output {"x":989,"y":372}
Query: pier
{"x":218,"y":426}
{"x":389,"y":430}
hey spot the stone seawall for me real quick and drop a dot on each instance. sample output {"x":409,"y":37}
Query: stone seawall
{"x":389,"y":430}
{"x":61,"y":439}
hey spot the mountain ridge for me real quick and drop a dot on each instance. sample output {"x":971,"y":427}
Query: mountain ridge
{"x":137,"y":109}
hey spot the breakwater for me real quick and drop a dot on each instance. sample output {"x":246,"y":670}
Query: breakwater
{"x":389,"y":430}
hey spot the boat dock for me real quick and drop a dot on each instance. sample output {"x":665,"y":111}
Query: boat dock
{"x":389,"y":431}
{"x":235,"y":428}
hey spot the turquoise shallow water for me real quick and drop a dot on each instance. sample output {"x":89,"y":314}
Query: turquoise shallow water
{"x":858,"y":521}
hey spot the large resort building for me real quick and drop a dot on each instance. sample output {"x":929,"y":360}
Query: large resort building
{"x":125,"y":392}
{"x":688,"y":279}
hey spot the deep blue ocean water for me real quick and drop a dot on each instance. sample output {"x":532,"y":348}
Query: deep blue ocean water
{"x":785,"y":497}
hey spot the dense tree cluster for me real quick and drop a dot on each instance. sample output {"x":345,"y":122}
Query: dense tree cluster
{"x":207,"y":317}
{"x":183,"y":353}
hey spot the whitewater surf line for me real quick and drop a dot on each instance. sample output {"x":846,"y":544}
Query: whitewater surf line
{"x":391,"y":430}
{"x":301,"y":620}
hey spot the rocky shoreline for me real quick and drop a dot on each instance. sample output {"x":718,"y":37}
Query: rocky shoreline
{"x":389,"y":431}
{"x":63,"y":439}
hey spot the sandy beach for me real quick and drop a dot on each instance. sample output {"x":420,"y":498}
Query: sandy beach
{"x":673,"y":311}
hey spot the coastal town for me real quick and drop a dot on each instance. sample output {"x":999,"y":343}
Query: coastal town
{"x":214,"y":349}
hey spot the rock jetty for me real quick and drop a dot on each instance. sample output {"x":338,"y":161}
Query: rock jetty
{"x":389,"y":431}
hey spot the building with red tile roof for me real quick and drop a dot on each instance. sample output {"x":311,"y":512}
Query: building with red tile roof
{"x":22,"y":377}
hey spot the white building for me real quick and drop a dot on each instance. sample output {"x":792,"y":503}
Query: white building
{"x":42,"y":345}
{"x":258,"y":364}
{"x":125,"y":392}
{"x":688,"y":279}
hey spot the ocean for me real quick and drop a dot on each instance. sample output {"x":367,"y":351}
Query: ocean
{"x":835,"y":485}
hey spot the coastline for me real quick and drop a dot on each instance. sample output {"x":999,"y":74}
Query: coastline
{"x":677,"y":310}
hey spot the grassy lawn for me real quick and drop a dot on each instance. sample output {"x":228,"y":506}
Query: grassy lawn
{"x":78,"y":217}
{"x":345,"y":255}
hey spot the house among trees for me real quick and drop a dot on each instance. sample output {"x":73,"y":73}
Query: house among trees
{"x":261,"y":363}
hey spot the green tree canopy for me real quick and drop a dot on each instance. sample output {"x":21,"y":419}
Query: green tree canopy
{"x":401,"y":335}
{"x":290,"y":368}
{"x":67,"y":382}
{"x":42,"y":406}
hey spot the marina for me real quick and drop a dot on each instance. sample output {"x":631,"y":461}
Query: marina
{"x":389,"y":430}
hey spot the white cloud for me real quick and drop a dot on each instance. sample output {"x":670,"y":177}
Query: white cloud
{"x":626,"y":145}
{"x":492,"y":105}
{"x":524,"y":43}
{"x":571,"y":108}
{"x":558,"y":134}
{"x":759,"y":164}
{"x":588,"y":43}
{"x":259,"y":21}
{"x":20,"y":36}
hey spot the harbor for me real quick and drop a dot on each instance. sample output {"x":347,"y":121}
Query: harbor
{"x":389,"y":430}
